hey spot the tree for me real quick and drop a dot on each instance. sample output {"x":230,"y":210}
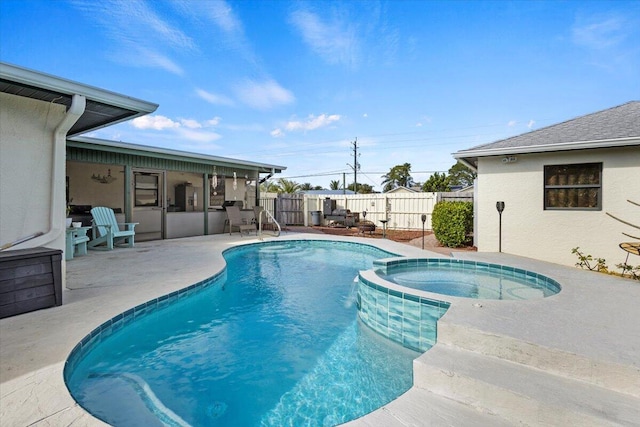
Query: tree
{"x":334,"y":185}
{"x":362,"y":188}
{"x":436,"y":182}
{"x":287,"y":186}
{"x":398,"y":176}
{"x":306,"y":186}
{"x":269,"y":187}
{"x":461,"y":175}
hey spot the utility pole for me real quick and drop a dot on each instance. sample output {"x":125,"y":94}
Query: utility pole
{"x":355,"y":165}
{"x":344,"y":183}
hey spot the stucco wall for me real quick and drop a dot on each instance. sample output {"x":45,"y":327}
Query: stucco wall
{"x":26,"y":152}
{"x":529,"y":230}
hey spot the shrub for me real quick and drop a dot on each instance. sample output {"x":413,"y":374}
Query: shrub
{"x":452,"y":223}
{"x":589,"y":262}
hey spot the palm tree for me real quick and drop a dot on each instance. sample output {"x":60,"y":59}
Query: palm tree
{"x":334,"y":184}
{"x":306,"y":186}
{"x":398,"y":176}
{"x":269,"y":187}
{"x":287,"y":186}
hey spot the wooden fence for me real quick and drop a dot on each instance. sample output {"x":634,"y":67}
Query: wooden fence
{"x":289,"y":209}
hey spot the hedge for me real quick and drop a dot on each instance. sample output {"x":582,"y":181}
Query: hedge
{"x":452,"y":223}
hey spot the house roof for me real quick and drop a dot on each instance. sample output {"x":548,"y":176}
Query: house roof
{"x":402,"y":190}
{"x":165,"y":153}
{"x":103,"y":108}
{"x":615,"y":127}
{"x":326,"y":192}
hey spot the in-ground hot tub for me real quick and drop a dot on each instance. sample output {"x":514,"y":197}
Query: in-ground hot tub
{"x":396,"y":298}
{"x":467,"y":279}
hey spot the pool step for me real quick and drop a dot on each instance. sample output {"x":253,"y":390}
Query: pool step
{"x":419,"y":407}
{"x":616,"y":377}
{"x":518,"y":393}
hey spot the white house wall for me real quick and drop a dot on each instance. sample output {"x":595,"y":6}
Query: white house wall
{"x":26,"y":150}
{"x":529,"y":230}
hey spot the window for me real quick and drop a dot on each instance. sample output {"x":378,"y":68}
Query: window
{"x":576,"y":186}
{"x":146,"y":189}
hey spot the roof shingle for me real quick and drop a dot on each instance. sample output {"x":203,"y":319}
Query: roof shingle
{"x":618,"y":122}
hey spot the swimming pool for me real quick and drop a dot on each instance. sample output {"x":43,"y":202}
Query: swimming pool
{"x":272,"y":340}
{"x":468,"y":279}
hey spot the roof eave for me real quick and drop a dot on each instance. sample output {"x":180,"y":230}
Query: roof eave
{"x":564,"y":146}
{"x":68,"y":87}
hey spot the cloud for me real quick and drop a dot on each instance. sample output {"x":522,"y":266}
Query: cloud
{"x":599,"y":32}
{"x":154,"y":122}
{"x":335,"y":42}
{"x":277,"y":133}
{"x":531,"y":123}
{"x":312,"y":122}
{"x":188,"y":129}
{"x":198,"y":136}
{"x":263,"y":95}
{"x":213,"y":98}
{"x":190,"y":123}
{"x":512,"y":123}
{"x":213,"y":122}
{"x":365,"y":115}
{"x":141,"y":36}
{"x":424,"y":120}
{"x":230,"y":35}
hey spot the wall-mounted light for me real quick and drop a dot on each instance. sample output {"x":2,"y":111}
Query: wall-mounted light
{"x":509,"y":159}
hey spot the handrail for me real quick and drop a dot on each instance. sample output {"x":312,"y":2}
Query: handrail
{"x":266,"y":212}
{"x":21,"y":240}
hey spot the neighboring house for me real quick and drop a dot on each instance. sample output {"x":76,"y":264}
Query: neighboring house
{"x":557,"y":184}
{"x":44,"y":163}
{"x":399,"y":190}
{"x":326,"y":192}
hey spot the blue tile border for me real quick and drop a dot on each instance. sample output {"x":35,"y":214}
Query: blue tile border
{"x":387,"y":266}
{"x":401,"y":319}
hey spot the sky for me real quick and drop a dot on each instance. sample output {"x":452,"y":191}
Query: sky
{"x":296,"y":84}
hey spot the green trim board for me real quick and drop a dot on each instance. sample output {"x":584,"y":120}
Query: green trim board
{"x":111,"y":152}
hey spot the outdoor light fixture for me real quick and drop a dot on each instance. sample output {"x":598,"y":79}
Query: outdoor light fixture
{"x":500,"y":208}
{"x":424,"y":219}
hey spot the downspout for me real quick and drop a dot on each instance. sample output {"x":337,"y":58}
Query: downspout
{"x":56,"y":219}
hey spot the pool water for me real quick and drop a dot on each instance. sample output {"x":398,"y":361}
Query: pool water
{"x":468,"y":279}
{"x":274,"y":342}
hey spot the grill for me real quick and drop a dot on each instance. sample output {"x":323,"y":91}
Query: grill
{"x":344,"y":217}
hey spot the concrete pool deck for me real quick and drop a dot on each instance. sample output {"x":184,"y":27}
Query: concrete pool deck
{"x":570,"y":359}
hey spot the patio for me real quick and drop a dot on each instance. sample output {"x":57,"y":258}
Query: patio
{"x":574,"y":357}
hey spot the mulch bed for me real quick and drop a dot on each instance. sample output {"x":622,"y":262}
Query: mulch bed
{"x":396,"y":235}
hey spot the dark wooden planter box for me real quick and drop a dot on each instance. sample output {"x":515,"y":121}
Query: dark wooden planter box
{"x":30,"y":279}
